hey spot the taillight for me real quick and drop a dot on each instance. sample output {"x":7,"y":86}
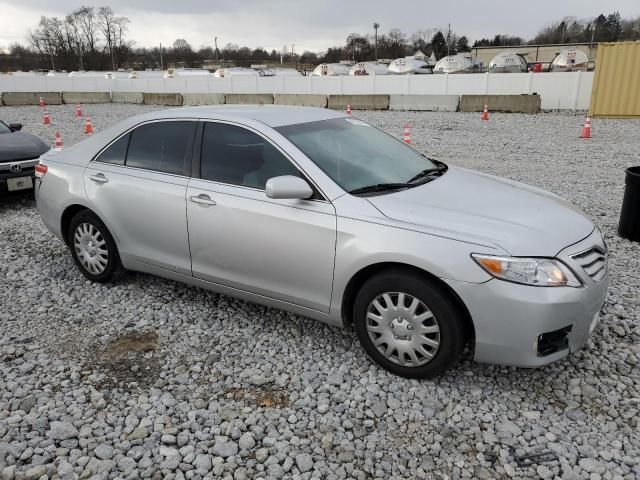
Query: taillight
{"x":41,"y":170}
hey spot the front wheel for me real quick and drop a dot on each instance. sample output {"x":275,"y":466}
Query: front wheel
{"x":93,"y":248}
{"x":408,"y":324}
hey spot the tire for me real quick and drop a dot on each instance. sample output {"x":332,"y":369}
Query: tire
{"x":99,"y":260}
{"x":421,"y":343}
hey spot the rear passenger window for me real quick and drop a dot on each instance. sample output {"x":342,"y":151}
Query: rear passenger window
{"x":237,"y":156}
{"x":116,"y":152}
{"x":161,"y":146}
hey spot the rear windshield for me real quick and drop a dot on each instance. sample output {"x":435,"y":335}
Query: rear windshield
{"x":355,"y":154}
{"x":4,"y":128}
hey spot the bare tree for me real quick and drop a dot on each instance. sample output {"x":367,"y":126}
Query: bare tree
{"x":113,"y":30}
{"x":88,"y":25}
{"x":75,"y":39}
{"x":181,"y":46}
{"x":106,"y":23}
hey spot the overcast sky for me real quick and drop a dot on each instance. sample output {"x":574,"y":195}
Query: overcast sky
{"x":310,"y":25}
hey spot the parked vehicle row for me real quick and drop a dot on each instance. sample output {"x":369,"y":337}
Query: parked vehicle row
{"x":19,"y":154}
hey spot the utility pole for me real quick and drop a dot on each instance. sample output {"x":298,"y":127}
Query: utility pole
{"x":215,"y":42}
{"x":376,"y":25}
{"x":161,"y":64}
{"x":448,"y":39}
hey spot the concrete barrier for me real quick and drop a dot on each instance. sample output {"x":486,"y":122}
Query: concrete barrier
{"x":426,"y":103}
{"x":202,"y":98}
{"x":501,"y":103}
{"x":249,"y":98}
{"x":86,"y":97}
{"x":359,"y":102}
{"x":171,"y":99}
{"x":127,"y":97}
{"x":300,"y":100}
{"x":31,"y":98}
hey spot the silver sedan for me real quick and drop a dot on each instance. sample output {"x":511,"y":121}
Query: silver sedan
{"x":321,"y":214}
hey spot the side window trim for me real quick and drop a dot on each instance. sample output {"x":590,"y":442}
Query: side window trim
{"x":189,"y":156}
{"x":96,"y":158}
{"x":197,"y":159}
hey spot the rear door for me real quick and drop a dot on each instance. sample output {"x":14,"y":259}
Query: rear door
{"x":282,"y":249}
{"x":138,"y":186}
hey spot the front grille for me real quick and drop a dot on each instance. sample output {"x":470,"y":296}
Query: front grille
{"x":593,"y":262}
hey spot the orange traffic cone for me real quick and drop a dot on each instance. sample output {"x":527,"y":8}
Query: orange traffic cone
{"x":586,"y":130}
{"x":78,"y":111}
{"x":58,"y":143}
{"x":88,"y":128}
{"x":406,"y":136}
{"x":46,"y":120}
{"x":41,"y":102}
{"x":348,"y":109}
{"x":485,"y":113}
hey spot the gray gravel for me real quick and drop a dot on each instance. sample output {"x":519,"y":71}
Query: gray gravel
{"x":152,"y":379}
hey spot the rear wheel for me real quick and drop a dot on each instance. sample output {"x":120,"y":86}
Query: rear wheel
{"x":408,"y":324}
{"x":93,"y":249}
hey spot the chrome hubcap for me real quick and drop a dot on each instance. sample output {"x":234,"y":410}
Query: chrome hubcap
{"x":91,"y":248}
{"x":403,"y":329}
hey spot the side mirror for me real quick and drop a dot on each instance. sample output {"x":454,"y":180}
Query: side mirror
{"x":288,"y":186}
{"x":15,"y":127}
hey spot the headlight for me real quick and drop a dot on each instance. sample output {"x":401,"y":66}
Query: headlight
{"x":539,"y":272}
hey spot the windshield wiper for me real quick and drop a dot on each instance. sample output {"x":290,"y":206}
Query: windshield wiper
{"x":439,"y":170}
{"x":380,"y":187}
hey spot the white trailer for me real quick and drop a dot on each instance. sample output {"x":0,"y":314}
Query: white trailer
{"x":331,"y":69}
{"x":570,"y":60}
{"x":368,"y":68}
{"x":408,"y":66}
{"x":234,"y":72}
{"x":460,"y":63}
{"x":508,"y":62}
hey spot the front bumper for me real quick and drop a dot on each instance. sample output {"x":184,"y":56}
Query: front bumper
{"x":18,"y":169}
{"x":515,"y":324}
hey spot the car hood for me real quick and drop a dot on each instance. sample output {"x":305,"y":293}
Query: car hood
{"x":20,"y":146}
{"x":523,"y":220}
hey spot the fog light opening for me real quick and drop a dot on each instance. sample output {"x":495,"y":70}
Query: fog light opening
{"x":552,"y":342}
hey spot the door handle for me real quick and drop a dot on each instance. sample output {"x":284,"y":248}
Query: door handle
{"x":202,"y":199}
{"x":99,"y":178}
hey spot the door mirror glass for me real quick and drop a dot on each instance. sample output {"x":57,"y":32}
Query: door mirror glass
{"x":15,"y":127}
{"x":288,"y":187}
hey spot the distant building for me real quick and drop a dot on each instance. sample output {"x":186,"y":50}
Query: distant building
{"x":535,"y":53}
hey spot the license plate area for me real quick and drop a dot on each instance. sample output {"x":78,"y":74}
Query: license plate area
{"x":19,"y":183}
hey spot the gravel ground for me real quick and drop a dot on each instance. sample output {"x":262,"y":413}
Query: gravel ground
{"x":152,"y":379}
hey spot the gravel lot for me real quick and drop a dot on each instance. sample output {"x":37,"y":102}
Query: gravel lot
{"x":152,"y":379}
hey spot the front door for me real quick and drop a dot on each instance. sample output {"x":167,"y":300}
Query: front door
{"x":282,"y":249}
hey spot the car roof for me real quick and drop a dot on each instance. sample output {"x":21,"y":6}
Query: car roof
{"x":271,"y":115}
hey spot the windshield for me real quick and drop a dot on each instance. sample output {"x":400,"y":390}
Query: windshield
{"x":355,"y":154}
{"x":4,"y":128}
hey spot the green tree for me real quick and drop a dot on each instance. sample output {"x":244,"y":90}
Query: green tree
{"x":439,"y":45}
{"x":463,"y":44}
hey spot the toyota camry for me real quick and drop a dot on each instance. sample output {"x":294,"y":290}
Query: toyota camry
{"x":320,"y":213}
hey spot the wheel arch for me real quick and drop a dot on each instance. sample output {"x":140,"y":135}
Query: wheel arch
{"x":360,"y":277}
{"x":68,"y":213}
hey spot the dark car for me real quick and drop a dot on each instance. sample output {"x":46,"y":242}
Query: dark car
{"x":19,"y":153}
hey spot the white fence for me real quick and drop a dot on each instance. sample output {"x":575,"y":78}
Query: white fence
{"x":563,"y":91}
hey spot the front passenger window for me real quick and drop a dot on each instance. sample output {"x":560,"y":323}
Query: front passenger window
{"x":237,"y":156}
